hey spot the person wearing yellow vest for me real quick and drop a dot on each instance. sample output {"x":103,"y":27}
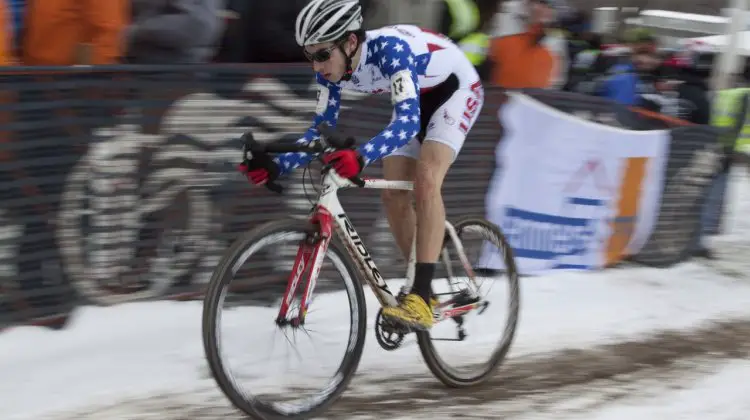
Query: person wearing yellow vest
{"x":459,"y":18}
{"x":730,"y":113}
{"x":476,"y":45}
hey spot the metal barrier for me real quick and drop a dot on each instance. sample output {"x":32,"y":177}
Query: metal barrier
{"x":111,"y":193}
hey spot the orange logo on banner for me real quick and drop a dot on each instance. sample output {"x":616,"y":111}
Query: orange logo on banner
{"x":628,"y":202}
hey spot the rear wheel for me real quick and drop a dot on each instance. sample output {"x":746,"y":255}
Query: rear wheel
{"x":258,"y":402}
{"x":469,"y":371}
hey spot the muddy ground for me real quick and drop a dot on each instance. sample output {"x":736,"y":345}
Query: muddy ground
{"x":539,"y":384}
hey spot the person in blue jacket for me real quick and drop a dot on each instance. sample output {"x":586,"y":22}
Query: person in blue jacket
{"x":621,"y":85}
{"x":627,"y":81}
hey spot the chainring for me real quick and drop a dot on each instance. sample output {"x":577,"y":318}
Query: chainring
{"x":389,"y":335}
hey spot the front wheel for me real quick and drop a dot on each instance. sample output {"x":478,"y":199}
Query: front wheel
{"x":471,"y":367}
{"x":275,"y":244}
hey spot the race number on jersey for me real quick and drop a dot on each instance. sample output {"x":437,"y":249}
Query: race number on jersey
{"x":402,"y":87}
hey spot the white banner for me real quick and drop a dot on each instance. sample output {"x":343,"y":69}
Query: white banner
{"x":569,"y":193}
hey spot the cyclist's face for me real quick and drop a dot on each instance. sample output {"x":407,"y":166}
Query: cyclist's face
{"x":327,"y":60}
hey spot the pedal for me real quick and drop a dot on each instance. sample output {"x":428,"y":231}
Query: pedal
{"x":464,"y":298}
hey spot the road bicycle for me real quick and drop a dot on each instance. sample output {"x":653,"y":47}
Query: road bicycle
{"x":329,"y":233}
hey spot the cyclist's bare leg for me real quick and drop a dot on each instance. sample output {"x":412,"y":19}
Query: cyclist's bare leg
{"x":434,"y":161}
{"x":398,"y":203}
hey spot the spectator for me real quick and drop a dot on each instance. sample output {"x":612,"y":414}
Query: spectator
{"x":522,"y":60}
{"x":7,"y":37}
{"x":233,"y":46}
{"x":67,"y":32}
{"x":243,"y":42}
{"x":173,"y":31}
{"x":632,"y":78}
{"x":476,"y":44}
{"x":585,"y":65}
{"x":459,"y":18}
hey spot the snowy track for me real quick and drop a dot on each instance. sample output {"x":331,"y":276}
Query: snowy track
{"x":586,"y":342}
{"x":621,"y":344}
{"x":580,"y":383}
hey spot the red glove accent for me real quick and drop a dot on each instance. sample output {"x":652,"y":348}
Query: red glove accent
{"x":347,"y":163}
{"x":256,"y":176}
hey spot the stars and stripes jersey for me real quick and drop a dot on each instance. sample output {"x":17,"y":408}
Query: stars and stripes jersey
{"x":404,"y":60}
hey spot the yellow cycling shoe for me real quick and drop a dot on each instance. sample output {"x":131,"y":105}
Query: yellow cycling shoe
{"x":412,"y":312}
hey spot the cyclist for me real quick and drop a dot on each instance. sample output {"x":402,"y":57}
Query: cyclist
{"x":436,"y":96}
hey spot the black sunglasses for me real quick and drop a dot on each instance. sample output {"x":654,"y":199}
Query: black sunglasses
{"x":322,"y":55}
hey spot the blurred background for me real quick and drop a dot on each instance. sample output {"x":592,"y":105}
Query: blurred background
{"x":112,"y":218}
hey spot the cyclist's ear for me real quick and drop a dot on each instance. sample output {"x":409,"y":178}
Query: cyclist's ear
{"x":351,"y":43}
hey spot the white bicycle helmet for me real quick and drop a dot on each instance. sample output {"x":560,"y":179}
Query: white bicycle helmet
{"x":327,"y":20}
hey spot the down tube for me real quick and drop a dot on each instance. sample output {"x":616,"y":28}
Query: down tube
{"x":359,"y":251}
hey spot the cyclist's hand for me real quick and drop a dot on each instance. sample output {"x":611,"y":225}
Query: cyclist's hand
{"x":347,"y":163}
{"x":260,"y":169}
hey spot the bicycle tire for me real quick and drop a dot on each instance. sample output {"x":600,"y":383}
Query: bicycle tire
{"x":436,"y":365}
{"x":221,"y":278}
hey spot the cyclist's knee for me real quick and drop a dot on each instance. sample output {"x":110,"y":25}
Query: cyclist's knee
{"x":427,"y":182}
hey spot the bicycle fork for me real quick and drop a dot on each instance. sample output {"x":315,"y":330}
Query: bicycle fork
{"x":312,"y":250}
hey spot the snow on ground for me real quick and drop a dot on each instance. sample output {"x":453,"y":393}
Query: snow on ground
{"x":108,"y":354}
{"x":123,"y":359}
{"x":720,"y":396}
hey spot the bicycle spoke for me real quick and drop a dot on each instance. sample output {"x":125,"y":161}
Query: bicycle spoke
{"x":459,"y":307}
{"x":274,"y":398}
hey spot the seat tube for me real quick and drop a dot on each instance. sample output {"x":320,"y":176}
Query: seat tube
{"x":411,"y":265}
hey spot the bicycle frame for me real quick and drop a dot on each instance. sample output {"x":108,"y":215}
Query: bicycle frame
{"x":329,"y":218}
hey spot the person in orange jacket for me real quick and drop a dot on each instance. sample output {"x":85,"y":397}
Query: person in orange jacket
{"x":6,"y":35}
{"x":522,"y":60}
{"x":68,"y":32}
